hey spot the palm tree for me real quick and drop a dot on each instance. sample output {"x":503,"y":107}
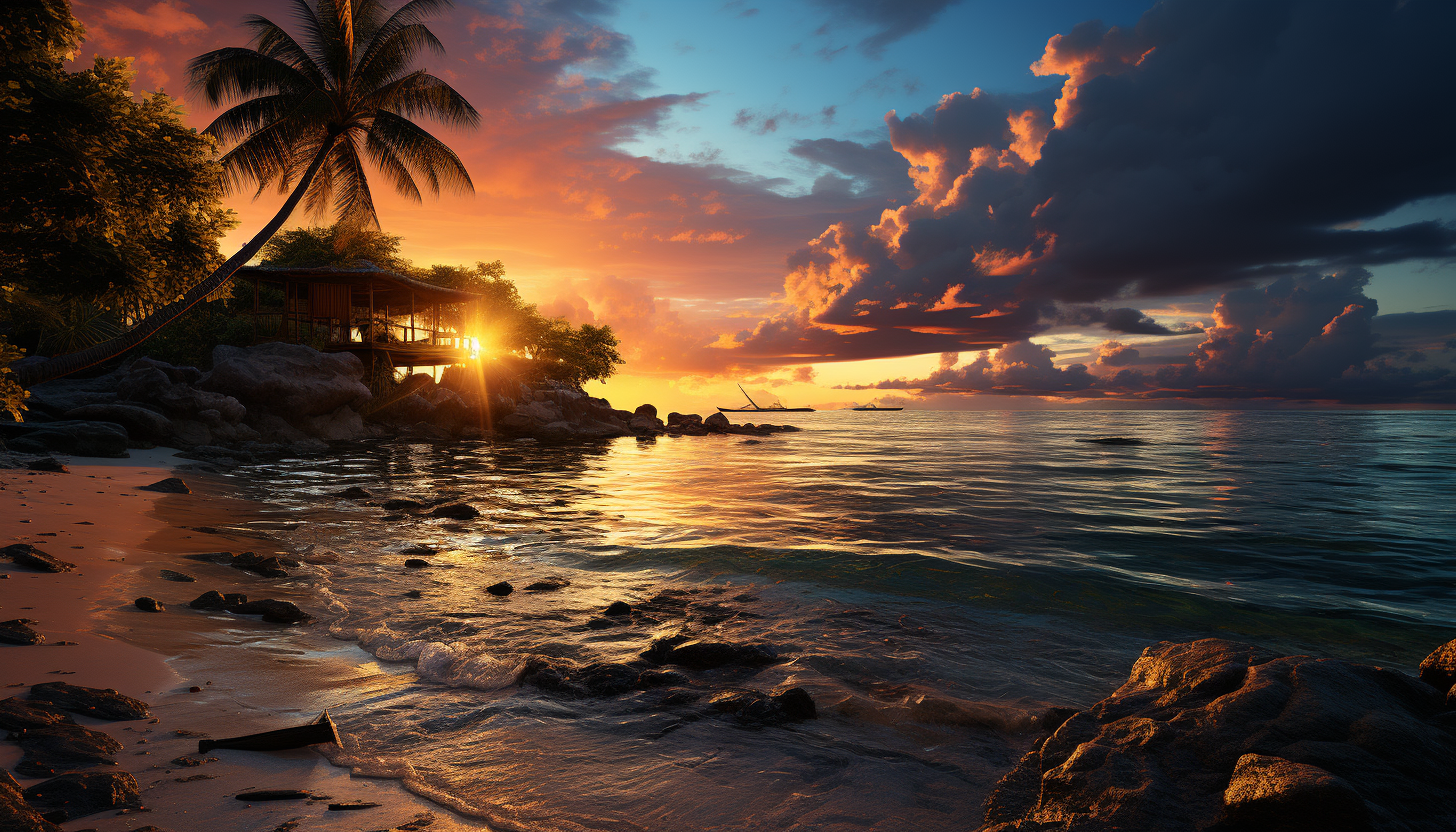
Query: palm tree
{"x":306,"y":114}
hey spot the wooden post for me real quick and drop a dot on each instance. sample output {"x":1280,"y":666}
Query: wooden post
{"x":412,"y":317}
{"x":370,"y":336}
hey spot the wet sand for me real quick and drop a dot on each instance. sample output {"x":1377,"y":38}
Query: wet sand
{"x":253,"y":676}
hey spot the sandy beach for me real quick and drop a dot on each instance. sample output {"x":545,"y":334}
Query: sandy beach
{"x":252,"y":676}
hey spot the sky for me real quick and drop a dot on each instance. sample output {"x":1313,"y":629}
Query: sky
{"x":941,"y":204}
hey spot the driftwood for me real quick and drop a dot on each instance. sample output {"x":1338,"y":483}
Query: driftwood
{"x":319,"y":731}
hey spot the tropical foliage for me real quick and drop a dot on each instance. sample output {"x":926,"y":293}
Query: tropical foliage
{"x":304,"y":115}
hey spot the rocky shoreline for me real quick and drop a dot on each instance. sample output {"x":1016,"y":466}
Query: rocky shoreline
{"x":288,"y":399}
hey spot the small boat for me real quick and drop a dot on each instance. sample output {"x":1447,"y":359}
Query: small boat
{"x":874,"y":407}
{"x":319,"y":731}
{"x":754,"y":408}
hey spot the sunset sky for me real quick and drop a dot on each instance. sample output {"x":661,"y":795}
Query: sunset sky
{"x":1195,"y":203}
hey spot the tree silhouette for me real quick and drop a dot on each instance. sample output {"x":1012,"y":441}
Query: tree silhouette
{"x":306,"y":114}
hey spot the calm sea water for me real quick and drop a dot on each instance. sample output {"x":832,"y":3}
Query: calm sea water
{"x":933,"y":579}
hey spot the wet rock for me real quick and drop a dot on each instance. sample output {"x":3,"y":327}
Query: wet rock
{"x":618,"y":608}
{"x":353,"y":493}
{"x":416,"y":563}
{"x":210,"y":600}
{"x":93,"y":702}
{"x":1214,"y":734}
{"x":47,"y":464}
{"x":716,"y":422}
{"x":1115,"y":440}
{"x":82,"y":794}
{"x":456,"y":511}
{"x":273,"y":611}
{"x":757,"y":708}
{"x":170,"y":485}
{"x":1439,"y":669}
{"x":63,"y":746}
{"x":418,"y":550}
{"x":1273,"y":793}
{"x":653,"y":678}
{"x":609,"y":678}
{"x":192,"y":761}
{"x":15,"y":814}
{"x":550,"y":675}
{"x":602,"y":623}
{"x":547,"y":585}
{"x":177,"y":577}
{"x":401,"y":504}
{"x":414,"y":593}
{"x":18,"y":714}
{"x":274,"y":794}
{"x":24,"y":554}
{"x":796,"y":704}
{"x":18,"y":631}
{"x":702,"y":655}
{"x":352,"y":805}
{"x":147,"y":603}
{"x":267,"y":566}
{"x":501,"y":589}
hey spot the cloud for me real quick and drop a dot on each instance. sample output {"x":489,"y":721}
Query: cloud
{"x":166,"y":19}
{"x":1304,"y":337}
{"x":891,"y":21}
{"x":1210,"y":147}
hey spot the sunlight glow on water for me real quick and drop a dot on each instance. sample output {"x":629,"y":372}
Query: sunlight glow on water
{"x":933,"y":579}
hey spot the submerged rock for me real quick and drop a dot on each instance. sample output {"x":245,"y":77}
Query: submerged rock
{"x":273,"y":611}
{"x":547,"y":585}
{"x":147,"y":603}
{"x":18,"y":631}
{"x":757,"y":708}
{"x":353,"y":493}
{"x":1218,"y":734}
{"x":82,"y":794}
{"x":402,"y":504}
{"x":24,"y":554}
{"x":1115,"y":440}
{"x":456,"y":511}
{"x":177,"y":577}
{"x":703,"y":655}
{"x":416,"y":563}
{"x":92,"y":702}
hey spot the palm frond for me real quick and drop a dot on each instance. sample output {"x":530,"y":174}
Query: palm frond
{"x":422,"y":94}
{"x":411,"y":14}
{"x":353,"y":204}
{"x":391,"y":56}
{"x":422,"y":153}
{"x":273,"y":41}
{"x":390,"y":165}
{"x":233,"y":73}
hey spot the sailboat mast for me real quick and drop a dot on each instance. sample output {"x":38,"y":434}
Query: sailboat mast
{"x":750,"y":398}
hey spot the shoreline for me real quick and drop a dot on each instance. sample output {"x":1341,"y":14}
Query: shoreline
{"x":120,"y":538}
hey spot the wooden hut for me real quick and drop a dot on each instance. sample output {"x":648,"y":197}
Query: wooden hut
{"x":377,"y":314}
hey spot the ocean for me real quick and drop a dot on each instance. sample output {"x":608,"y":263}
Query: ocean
{"x":934,"y":581}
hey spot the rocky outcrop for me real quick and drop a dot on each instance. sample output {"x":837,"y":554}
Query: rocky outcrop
{"x":15,"y":814}
{"x":24,"y":554}
{"x":86,"y":793}
{"x":92,"y":702}
{"x":1215,"y":735}
{"x":69,"y":436}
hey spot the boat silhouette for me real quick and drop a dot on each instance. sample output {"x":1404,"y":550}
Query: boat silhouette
{"x":754,"y":408}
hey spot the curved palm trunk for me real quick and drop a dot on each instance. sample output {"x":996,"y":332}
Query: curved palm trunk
{"x":63,"y":365}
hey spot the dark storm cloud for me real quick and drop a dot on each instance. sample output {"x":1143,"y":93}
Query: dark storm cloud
{"x":1213,"y":146}
{"x":893,"y":19}
{"x":876,"y":169}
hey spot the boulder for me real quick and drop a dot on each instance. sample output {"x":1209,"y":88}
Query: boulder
{"x":618,"y":608}
{"x":274,"y":612}
{"x":48,"y":464}
{"x":170,"y":485}
{"x":92,"y":702}
{"x":15,"y":814}
{"x":141,"y":424}
{"x":1439,"y":669}
{"x":51,"y":749}
{"x":146,"y":603}
{"x":18,"y":715}
{"x":456,"y":511}
{"x":716,"y":422}
{"x":18,"y":631}
{"x":702,"y":655}
{"x":59,"y":396}
{"x":210,"y":600}
{"x":501,"y":589}
{"x":1215,"y":734}
{"x":756,"y":708}
{"x":82,"y":794}
{"x":292,"y":381}
{"x":75,"y":437}
{"x":24,"y":554}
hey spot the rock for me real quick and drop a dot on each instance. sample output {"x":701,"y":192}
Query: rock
{"x":148,"y":604}
{"x":17,"y":631}
{"x":1215,"y":734}
{"x":1439,"y":669}
{"x":548,"y":585}
{"x":47,"y":464}
{"x":647,"y":411}
{"x":653,"y":678}
{"x":702,"y":655}
{"x":210,"y":600}
{"x":292,"y":381}
{"x":716,"y":422}
{"x":15,"y":814}
{"x":78,"y":438}
{"x":141,"y":424}
{"x":82,"y":794}
{"x":501,"y":589}
{"x":1115,"y":440}
{"x":416,"y":563}
{"x":24,"y":554}
{"x":92,"y":702}
{"x":1273,"y":793}
{"x":351,"y":805}
{"x":757,"y":708}
{"x":170,"y":485}
{"x":402,"y":505}
{"x":18,"y":715}
{"x":268,"y":566}
{"x":177,"y":577}
{"x":276,"y":612}
{"x":52,"y":749}
{"x":618,"y":608}
{"x":456,"y":511}
{"x":796,"y":704}
{"x":684,"y":420}
{"x":274,"y":794}
{"x":353,"y":493}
